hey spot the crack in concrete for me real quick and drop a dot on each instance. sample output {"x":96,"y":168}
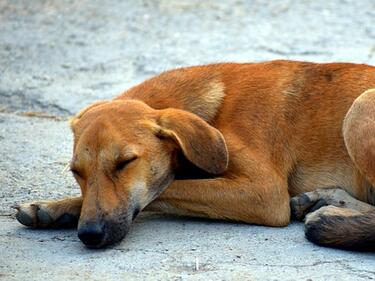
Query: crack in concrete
{"x":34,"y":114}
{"x":142,"y":251}
{"x":14,"y":101}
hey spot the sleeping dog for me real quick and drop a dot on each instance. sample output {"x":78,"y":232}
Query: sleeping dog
{"x":258,"y":143}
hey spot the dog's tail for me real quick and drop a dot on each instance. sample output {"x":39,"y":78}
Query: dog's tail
{"x":355,"y":232}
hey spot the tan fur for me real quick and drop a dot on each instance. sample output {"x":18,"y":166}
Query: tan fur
{"x":226,"y":141}
{"x":331,"y":211}
{"x":73,"y":120}
{"x":358,"y":130}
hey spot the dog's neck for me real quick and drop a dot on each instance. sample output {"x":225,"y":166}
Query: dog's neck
{"x":201,"y":94}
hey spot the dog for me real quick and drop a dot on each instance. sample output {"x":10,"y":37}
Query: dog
{"x":259,"y":143}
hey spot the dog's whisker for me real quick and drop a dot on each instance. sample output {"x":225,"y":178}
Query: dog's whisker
{"x":66,"y":168}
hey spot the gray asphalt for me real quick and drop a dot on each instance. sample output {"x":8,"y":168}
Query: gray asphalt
{"x":58,"y":56}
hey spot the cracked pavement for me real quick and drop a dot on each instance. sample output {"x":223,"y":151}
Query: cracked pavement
{"x":59,"y":56}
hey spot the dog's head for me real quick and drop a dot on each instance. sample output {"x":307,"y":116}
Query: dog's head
{"x":124,"y":156}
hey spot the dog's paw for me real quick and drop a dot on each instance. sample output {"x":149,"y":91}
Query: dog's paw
{"x":309,"y":202}
{"x":43,"y":215}
{"x":340,"y":227}
{"x":33,"y":214}
{"x":318,"y":215}
{"x":305,"y":203}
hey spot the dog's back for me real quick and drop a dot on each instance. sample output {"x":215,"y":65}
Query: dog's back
{"x":290,"y":113}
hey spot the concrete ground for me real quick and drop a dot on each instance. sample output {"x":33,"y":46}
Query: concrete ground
{"x":58,"y":56}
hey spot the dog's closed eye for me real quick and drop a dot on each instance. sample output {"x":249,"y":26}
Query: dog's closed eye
{"x":121,"y":164}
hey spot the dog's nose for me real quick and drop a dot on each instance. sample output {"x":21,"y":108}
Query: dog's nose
{"x":91,"y":234}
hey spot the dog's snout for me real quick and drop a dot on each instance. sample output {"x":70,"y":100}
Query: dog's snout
{"x":91,"y":234}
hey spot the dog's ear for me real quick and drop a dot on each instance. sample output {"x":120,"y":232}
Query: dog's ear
{"x":201,"y":143}
{"x":74,"y":119}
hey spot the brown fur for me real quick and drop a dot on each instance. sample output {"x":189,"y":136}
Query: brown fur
{"x":225,"y":141}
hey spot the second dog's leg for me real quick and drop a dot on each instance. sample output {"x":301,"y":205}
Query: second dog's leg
{"x":50,"y":214}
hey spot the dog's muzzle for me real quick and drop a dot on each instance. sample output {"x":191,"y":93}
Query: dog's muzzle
{"x":92,"y":234}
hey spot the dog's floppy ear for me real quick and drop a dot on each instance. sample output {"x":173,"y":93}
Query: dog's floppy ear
{"x":74,"y":119}
{"x":201,"y":143}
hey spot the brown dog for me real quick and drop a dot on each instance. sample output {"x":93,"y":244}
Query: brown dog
{"x":228,"y":141}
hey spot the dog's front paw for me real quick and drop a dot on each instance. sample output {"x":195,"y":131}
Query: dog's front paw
{"x":33,"y":214}
{"x":48,"y":214}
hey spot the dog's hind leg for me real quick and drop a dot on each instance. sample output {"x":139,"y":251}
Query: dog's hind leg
{"x":359,"y":134}
{"x":341,"y":228}
{"x":352,"y":227}
{"x":50,"y":214}
{"x":309,"y":202}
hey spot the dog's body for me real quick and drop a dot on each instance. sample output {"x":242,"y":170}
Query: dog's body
{"x":235,"y":141}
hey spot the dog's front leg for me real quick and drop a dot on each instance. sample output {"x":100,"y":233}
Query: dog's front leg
{"x":264,"y":202}
{"x":50,"y":214}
